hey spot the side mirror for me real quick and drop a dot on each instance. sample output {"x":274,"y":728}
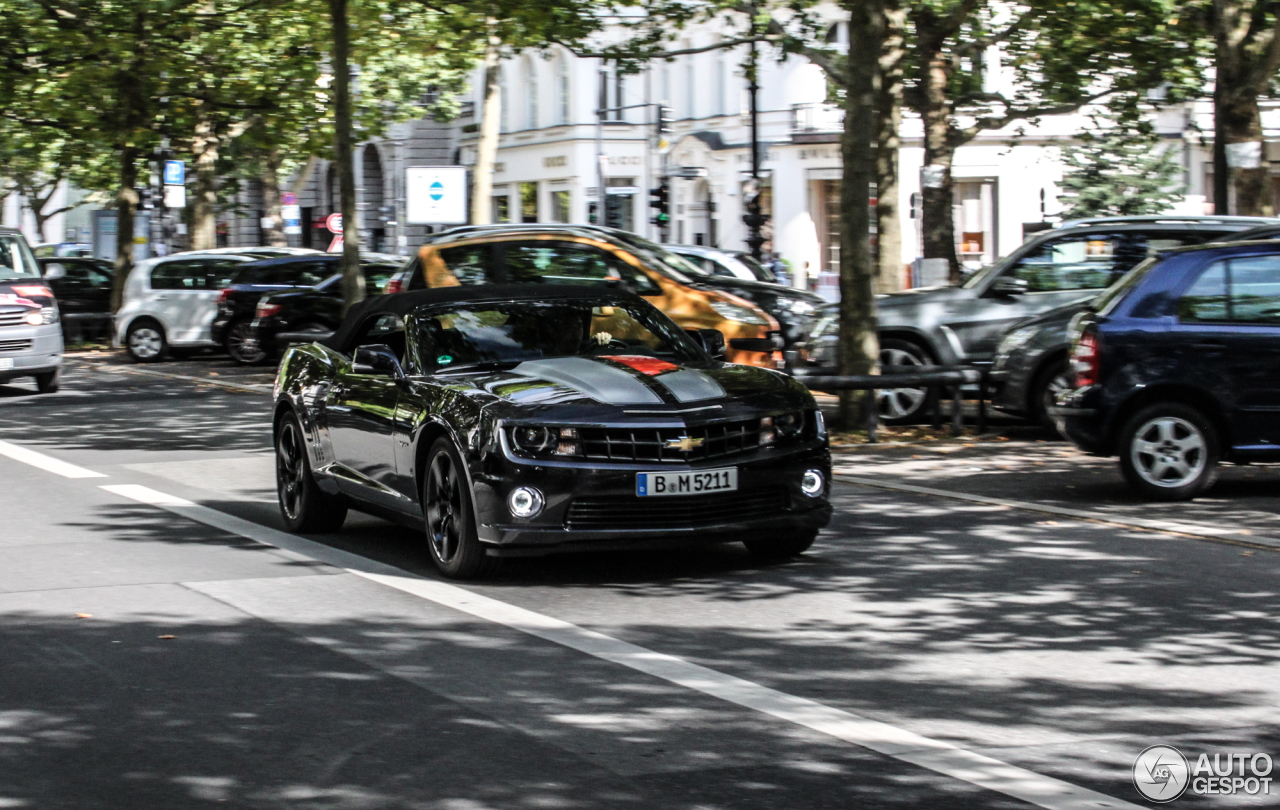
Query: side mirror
{"x":712,"y":341}
{"x":377,"y":360}
{"x":54,"y":271}
{"x":1009,"y":286}
{"x":754,"y":344}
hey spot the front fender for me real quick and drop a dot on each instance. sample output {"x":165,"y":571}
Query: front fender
{"x":302,"y":384}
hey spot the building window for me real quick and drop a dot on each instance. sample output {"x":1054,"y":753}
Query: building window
{"x":690,"y":85}
{"x":504,"y":99}
{"x":501,"y":208}
{"x":560,"y":206}
{"x":562,"y":90}
{"x":530,"y":93}
{"x":720,"y":107}
{"x":528,"y":202}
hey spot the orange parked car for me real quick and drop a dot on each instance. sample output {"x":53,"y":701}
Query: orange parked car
{"x":576,"y":254}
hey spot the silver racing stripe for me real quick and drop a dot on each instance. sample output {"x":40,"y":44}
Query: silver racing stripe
{"x":600,"y":381}
{"x":688,"y":385}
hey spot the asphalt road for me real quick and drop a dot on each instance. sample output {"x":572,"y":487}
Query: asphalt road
{"x":165,"y":645}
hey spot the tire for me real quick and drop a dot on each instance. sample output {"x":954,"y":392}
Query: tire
{"x":1169,"y":452}
{"x":303,"y":505}
{"x":234,"y":343}
{"x":904,"y":406}
{"x":781,"y":546}
{"x":450,"y":517}
{"x":145,"y":341}
{"x":1049,"y":381}
{"x":47,"y":383}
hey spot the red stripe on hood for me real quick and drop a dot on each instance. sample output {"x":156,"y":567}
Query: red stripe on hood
{"x":651,"y":366}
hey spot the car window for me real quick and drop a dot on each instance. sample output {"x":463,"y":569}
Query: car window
{"x":1206,"y":299}
{"x":1085,"y":262}
{"x":376,"y":276}
{"x":16,"y":261}
{"x":557,"y":263}
{"x":461,"y":265}
{"x":1243,"y":290}
{"x":81,"y":276}
{"x":300,"y":274}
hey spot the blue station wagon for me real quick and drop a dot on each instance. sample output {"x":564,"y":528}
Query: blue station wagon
{"x":1177,"y":368}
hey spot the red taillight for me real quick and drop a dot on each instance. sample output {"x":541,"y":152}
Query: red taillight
{"x":1085,"y":359}
{"x":223,"y":295}
{"x":267,"y":310}
{"x":395,"y":285}
{"x":32,"y":290}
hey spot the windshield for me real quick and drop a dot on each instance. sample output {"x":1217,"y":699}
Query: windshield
{"x":1113,"y":294}
{"x":510,"y":333}
{"x":16,"y":261}
{"x":659,"y":258}
{"x":757,"y":269}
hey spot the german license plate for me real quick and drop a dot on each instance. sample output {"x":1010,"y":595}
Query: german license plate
{"x":654,"y":484}
{"x":6,"y":363}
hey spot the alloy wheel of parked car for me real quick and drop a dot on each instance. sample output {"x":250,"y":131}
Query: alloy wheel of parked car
{"x":451,"y":530}
{"x":303,"y":505}
{"x":146,"y":342}
{"x":902,"y":405}
{"x":237,"y":345}
{"x":1169,"y":451}
{"x":1053,"y":380}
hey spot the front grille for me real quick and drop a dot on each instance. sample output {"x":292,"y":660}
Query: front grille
{"x":653,"y":444}
{"x":674,"y":512}
{"x":14,"y":345}
{"x":14,"y":318}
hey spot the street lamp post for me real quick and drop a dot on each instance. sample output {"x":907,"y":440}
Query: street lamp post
{"x":754,"y":219}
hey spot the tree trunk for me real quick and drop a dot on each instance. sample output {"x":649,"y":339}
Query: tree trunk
{"x":352,"y":279}
{"x":126,"y":207}
{"x":1241,"y":123}
{"x":490,"y":128}
{"x":1242,"y":67}
{"x":937,"y":220}
{"x":888,"y":123}
{"x":859,"y":347}
{"x":271,"y":198}
{"x":204,"y":205}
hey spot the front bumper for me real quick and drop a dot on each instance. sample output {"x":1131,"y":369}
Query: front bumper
{"x":31,"y":350}
{"x":596,"y":507}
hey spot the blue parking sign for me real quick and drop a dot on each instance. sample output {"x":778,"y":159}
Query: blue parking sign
{"x":175,"y":173}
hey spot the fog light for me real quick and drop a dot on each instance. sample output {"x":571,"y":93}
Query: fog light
{"x":812,"y":482}
{"x":525,"y":502}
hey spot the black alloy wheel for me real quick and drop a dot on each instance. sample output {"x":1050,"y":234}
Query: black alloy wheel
{"x":303,"y":505}
{"x":1052,"y":380}
{"x":781,"y":545}
{"x":904,"y":406}
{"x":450,"y":524}
{"x":1169,"y":452}
{"x":238,"y":345}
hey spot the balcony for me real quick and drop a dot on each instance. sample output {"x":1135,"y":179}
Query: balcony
{"x":816,"y":122}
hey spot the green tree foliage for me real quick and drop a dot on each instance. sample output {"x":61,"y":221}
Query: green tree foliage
{"x":1119,"y":169}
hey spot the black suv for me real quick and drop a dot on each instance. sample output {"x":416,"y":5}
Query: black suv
{"x":1178,"y":367}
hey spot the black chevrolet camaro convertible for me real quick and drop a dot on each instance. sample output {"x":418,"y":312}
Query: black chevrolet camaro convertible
{"x":519,"y":420}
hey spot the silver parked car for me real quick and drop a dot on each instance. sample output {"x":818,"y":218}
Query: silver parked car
{"x":30,"y":335}
{"x":1071,"y":263}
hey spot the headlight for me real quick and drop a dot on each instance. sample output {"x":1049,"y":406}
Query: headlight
{"x":786,"y":427}
{"x":42,"y":316}
{"x":1016,"y":340}
{"x":536,"y":440}
{"x":733,"y":312}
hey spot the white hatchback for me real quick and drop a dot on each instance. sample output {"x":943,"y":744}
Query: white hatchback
{"x":172,"y":301}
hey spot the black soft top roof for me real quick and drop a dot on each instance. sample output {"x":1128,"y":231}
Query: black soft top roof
{"x":405,"y":302}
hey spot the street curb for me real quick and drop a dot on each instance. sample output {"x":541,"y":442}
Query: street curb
{"x":1235,"y":537}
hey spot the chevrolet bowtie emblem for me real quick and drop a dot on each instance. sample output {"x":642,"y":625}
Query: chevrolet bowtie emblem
{"x":684,"y":443}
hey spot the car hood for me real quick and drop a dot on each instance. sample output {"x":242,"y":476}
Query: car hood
{"x":753,"y":288}
{"x":635,"y":381}
{"x":918,"y":295}
{"x":1059,"y":316}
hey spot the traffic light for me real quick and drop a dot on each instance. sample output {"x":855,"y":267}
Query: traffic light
{"x":592,"y":216}
{"x":664,"y":120}
{"x":660,"y":199}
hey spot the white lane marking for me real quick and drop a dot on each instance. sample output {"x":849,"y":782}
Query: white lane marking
{"x":889,"y":740}
{"x":46,"y":463}
{"x":1231,"y":534}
